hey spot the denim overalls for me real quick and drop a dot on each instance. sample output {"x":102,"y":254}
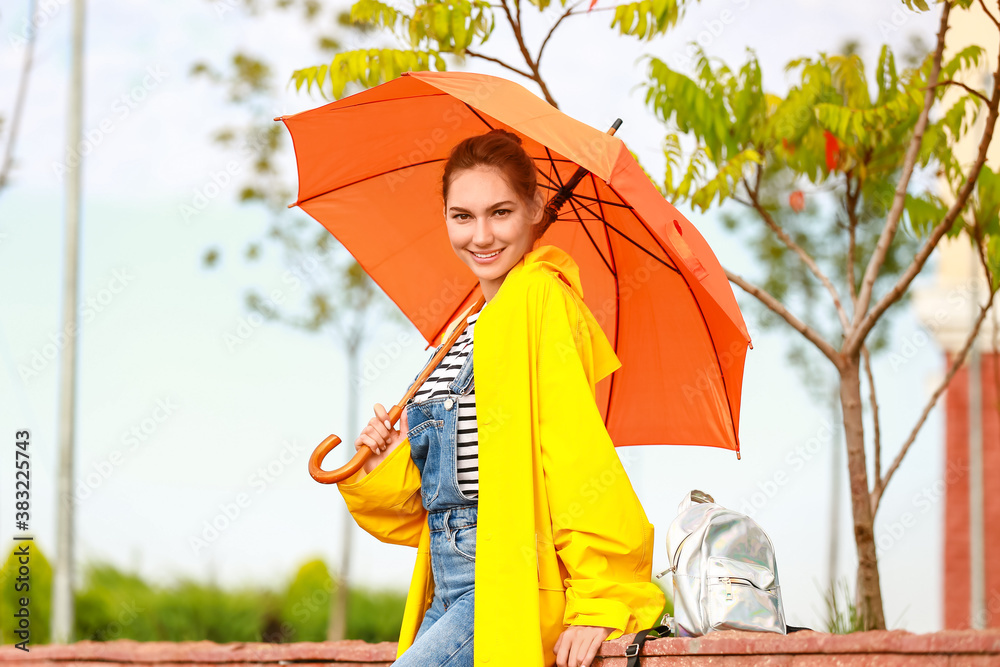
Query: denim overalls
{"x":445,"y":636}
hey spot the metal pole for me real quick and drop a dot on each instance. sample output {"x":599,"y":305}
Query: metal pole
{"x":340,"y":607}
{"x":62,"y":583}
{"x":977,"y":578}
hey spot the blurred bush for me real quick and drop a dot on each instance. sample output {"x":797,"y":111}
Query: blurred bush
{"x":36,"y":586}
{"x":113,"y":604}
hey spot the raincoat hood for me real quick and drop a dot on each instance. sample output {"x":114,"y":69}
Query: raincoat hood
{"x":562,"y":538}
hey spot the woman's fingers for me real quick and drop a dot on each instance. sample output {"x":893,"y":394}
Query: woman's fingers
{"x":588,"y":657}
{"x":378,"y":422}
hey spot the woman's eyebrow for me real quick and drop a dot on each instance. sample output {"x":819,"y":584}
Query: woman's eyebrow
{"x":498,"y":204}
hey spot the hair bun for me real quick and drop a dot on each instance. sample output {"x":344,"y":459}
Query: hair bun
{"x":506,"y":133}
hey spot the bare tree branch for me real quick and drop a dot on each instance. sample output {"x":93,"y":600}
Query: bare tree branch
{"x":899,"y":199}
{"x":992,"y":18}
{"x":952,"y":82}
{"x":532,"y":64}
{"x":798,"y":250}
{"x":878,"y":431}
{"x":779,"y":309}
{"x":939,"y":231}
{"x":956,"y":363}
{"x":555,"y":25}
{"x":499,"y":62}
{"x":22,"y":89}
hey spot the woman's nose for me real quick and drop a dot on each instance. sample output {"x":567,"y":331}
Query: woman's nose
{"x":483,"y":235}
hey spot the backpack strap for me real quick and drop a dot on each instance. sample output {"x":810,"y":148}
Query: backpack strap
{"x":632,"y":650}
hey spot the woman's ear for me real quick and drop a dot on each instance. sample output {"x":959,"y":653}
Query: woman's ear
{"x":539,"y":206}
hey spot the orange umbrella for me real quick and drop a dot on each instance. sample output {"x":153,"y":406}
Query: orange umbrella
{"x":370,"y":168}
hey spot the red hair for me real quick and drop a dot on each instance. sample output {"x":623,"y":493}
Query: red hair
{"x":500,"y":150}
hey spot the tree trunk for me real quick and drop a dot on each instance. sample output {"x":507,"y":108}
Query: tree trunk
{"x":869,"y":592}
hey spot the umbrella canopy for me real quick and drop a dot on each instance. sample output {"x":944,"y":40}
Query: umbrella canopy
{"x":370,"y":168}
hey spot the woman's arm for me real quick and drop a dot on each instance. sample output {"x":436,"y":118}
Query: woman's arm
{"x":600,"y":531}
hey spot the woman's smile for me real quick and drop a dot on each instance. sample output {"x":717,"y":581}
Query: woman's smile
{"x":485,"y":257}
{"x":483,"y":211}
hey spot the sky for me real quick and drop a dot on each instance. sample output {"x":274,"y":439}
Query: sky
{"x":178,"y":428}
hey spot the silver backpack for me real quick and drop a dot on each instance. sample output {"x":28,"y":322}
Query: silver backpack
{"x":724,"y":572}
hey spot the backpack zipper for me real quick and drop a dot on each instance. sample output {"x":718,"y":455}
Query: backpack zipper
{"x":739,"y":581}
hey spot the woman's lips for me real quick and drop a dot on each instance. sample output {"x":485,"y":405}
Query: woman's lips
{"x":488,"y":259}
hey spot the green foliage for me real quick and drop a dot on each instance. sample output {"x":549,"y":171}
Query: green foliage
{"x":375,"y":616}
{"x":985,"y":213}
{"x":368,"y":67}
{"x":305,"y":611}
{"x":842,"y":616}
{"x":112,"y":604}
{"x":837,"y":143}
{"x":437,"y":27}
{"x":117,"y":605}
{"x":647,"y":18}
{"x":39,"y":593}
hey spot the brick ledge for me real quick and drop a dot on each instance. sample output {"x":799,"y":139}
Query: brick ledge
{"x":863,"y":645}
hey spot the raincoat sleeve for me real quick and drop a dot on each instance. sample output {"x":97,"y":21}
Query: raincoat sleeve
{"x":387,"y":502}
{"x":600,"y":531}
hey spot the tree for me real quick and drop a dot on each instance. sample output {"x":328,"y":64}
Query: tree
{"x":862,"y":153}
{"x":433,"y":29}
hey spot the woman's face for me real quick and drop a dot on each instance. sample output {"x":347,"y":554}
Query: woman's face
{"x":490,"y":228}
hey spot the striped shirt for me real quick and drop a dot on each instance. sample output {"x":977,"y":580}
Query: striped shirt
{"x":467,"y":438}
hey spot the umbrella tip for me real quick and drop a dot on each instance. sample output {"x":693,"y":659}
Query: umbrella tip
{"x":278,"y":117}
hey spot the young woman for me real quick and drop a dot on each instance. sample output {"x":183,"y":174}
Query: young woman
{"x":532,"y":547}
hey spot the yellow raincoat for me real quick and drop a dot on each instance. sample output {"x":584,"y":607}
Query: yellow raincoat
{"x":562,"y":538}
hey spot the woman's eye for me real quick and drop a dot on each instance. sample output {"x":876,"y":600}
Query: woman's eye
{"x":461,"y":216}
{"x":502,"y":210}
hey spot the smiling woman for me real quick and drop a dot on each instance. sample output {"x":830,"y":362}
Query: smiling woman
{"x":490,"y":224}
{"x":505,"y":449}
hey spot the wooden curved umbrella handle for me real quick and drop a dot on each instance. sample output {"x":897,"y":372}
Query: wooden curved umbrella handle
{"x":359,"y":458}
{"x":352,"y":466}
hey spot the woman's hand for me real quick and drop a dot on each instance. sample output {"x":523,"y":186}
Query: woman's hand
{"x":378,"y":437}
{"x":578,"y":644}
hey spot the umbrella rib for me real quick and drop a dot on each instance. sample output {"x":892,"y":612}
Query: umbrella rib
{"x":593,"y":242}
{"x":366,"y":178}
{"x":605,"y":201}
{"x":478,"y":116}
{"x":611,"y":254}
{"x":629,"y":238}
{"x":708,"y":330}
